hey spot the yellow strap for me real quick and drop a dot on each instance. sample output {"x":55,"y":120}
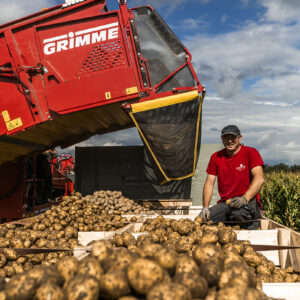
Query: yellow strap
{"x":197,"y":133}
{"x":165,"y":101}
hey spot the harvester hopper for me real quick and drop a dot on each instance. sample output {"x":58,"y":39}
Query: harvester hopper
{"x":76,"y":70}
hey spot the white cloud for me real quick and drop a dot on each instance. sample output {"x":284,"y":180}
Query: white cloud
{"x":169,"y":6}
{"x":266,"y":52}
{"x":190,"y":24}
{"x":14,"y":9}
{"x":274,"y":131}
{"x":281,"y":10}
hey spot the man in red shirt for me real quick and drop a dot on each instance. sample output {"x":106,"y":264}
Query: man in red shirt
{"x":239,"y":171}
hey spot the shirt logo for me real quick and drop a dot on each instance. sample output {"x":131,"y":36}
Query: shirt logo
{"x":241,"y":167}
{"x":80,"y":38}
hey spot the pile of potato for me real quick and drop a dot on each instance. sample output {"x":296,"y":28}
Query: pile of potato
{"x":58,"y":228}
{"x":114,"y":201}
{"x":141,"y":271}
{"x":185,"y":235}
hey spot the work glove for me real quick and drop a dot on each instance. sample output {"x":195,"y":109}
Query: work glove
{"x":205,"y":214}
{"x":238,"y":202}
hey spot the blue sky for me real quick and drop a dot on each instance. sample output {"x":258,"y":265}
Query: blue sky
{"x":246,"y":53}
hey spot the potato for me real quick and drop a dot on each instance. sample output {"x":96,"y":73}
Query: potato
{"x":211,"y":294}
{"x":22,"y":260}
{"x":252,"y":260}
{"x":264,"y":270}
{"x":232,"y":293}
{"x":170,"y":291}
{"x":4,"y":242}
{"x":43,"y":275}
{"x":211,"y":271}
{"x":118,"y":239}
{"x":186,"y":264}
{"x":16,"y":243}
{"x":207,"y":253}
{"x":114,"y":284}
{"x":10,"y":271}
{"x":101,"y":250}
{"x":209,"y":237}
{"x":82,"y":287}
{"x":166,"y":258}
{"x":236,"y":274}
{"x":28,"y":265}
{"x":91,"y":267}
{"x":128,"y":239}
{"x":49,"y":291}
{"x":20,"y":287}
{"x":10,"y":254}
{"x":183,"y":228}
{"x":2,"y":283}
{"x":143,"y":274}
{"x":41,"y":243}
{"x":2,"y":295}
{"x":224,"y":236}
{"x":252,"y":294}
{"x":233,"y":257}
{"x":184,"y":245}
{"x":18,"y":268}
{"x":3,"y":273}
{"x":119,"y":259}
{"x":196,"y":284}
{"x":37,"y":258}
{"x":149,"y":250}
{"x":291,"y":278}
{"x":3,"y":260}
{"x":67,"y":267}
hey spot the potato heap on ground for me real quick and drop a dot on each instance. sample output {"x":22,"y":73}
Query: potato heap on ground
{"x":185,"y":235}
{"x":146,"y":271}
{"x":113,"y":202}
{"x":58,"y":228}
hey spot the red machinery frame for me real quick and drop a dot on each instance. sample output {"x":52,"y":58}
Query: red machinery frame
{"x":21,"y":184}
{"x":66,"y":73}
{"x":39,"y":85}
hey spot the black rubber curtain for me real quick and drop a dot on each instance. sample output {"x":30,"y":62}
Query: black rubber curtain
{"x":170,"y":129}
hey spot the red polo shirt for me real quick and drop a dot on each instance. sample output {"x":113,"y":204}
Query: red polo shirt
{"x":234,"y":176}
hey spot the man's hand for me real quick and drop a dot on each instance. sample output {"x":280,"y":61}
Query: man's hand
{"x":238,"y":202}
{"x":205,"y":214}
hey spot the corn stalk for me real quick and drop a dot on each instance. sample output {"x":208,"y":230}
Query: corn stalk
{"x":280,"y":197}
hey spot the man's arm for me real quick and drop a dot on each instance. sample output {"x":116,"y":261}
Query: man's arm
{"x":256,"y":184}
{"x":208,"y":189}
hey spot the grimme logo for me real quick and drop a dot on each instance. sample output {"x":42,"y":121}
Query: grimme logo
{"x":81,"y":38}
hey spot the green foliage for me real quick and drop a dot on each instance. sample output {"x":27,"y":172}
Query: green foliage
{"x":280,"y":197}
{"x":282,"y":168}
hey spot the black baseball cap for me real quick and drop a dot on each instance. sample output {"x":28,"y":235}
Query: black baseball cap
{"x":231,"y":129}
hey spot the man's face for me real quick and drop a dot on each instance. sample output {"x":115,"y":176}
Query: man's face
{"x":231,"y":142}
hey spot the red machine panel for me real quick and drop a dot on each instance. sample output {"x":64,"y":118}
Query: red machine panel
{"x":12,"y":189}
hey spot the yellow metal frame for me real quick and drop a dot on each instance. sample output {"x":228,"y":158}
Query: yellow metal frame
{"x":165,"y":101}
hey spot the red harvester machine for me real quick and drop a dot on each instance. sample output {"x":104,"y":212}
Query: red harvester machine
{"x":77,"y":69}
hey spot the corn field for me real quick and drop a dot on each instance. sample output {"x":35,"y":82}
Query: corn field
{"x":280,"y":197}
